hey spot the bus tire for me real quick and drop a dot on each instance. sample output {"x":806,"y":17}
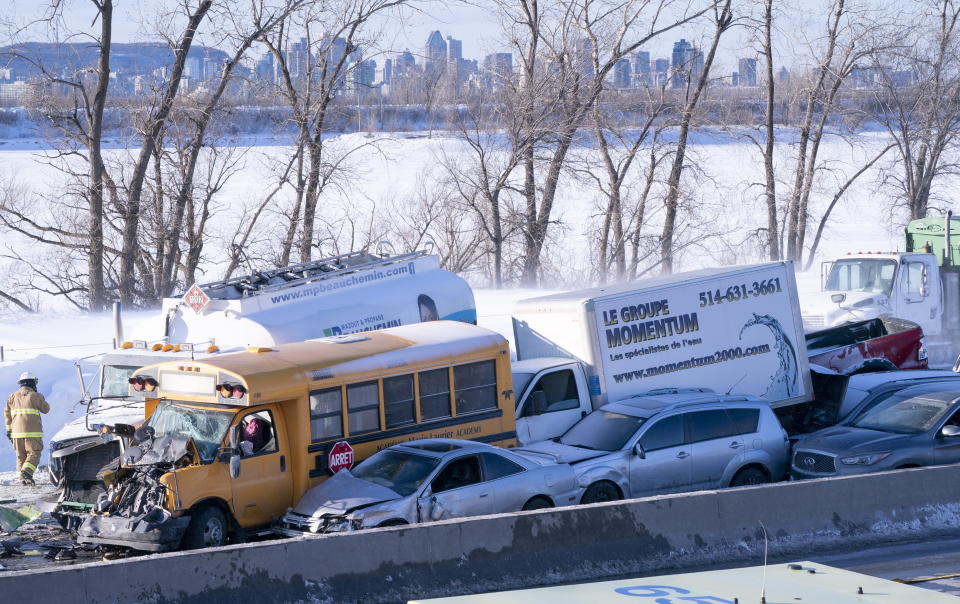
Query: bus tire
{"x":536,"y":503}
{"x":601,"y":491}
{"x":208,"y":528}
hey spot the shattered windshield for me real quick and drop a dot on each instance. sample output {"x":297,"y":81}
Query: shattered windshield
{"x":205,"y":426}
{"x":402,"y":473}
{"x":114,"y":379}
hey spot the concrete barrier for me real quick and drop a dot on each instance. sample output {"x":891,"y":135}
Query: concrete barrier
{"x":527,"y":549}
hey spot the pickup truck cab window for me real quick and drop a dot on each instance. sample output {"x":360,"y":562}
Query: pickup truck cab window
{"x":559,"y":390}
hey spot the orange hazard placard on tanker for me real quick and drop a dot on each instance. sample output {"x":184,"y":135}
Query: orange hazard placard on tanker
{"x":340,"y":457}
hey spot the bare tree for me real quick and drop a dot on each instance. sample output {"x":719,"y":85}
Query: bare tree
{"x":567,"y":50}
{"x":152,"y":130}
{"x":80,"y":127}
{"x":722,"y":19}
{"x":621,"y":143}
{"x":919,"y":100}
{"x":313,"y":73}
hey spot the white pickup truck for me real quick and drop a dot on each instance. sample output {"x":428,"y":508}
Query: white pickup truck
{"x":725,"y":329}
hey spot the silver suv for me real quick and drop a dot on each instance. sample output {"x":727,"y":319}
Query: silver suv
{"x":668,"y":441}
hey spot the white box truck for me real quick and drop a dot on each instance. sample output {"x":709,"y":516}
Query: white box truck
{"x":728,"y":329}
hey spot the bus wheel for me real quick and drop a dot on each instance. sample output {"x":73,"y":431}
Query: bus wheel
{"x":207,"y":528}
{"x":599,"y":492}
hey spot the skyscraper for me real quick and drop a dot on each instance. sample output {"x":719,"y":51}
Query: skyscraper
{"x":435,"y":54}
{"x":621,"y":74}
{"x":454,"y":49}
{"x":687,"y":63}
{"x":661,"y":71}
{"x":748,"y":72}
{"x":497,"y":67}
{"x":641,"y":68}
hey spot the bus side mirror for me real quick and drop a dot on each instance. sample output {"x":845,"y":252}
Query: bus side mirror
{"x":838,"y":298}
{"x":234,"y":451}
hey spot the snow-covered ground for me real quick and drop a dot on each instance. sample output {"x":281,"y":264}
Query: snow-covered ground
{"x":387,"y":180}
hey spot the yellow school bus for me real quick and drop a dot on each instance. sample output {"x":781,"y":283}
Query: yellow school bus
{"x":232,"y":441}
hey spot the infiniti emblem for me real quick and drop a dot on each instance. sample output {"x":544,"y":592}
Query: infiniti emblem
{"x":809,"y":461}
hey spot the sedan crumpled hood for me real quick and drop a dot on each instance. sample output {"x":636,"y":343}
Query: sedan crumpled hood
{"x":556,"y":452}
{"x":341,"y":493}
{"x":854,"y":440}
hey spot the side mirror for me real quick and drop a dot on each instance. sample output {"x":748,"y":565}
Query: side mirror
{"x":639,"y":452}
{"x":838,"y":298}
{"x":950,"y":430}
{"x":436,"y":510}
{"x":538,"y":402}
{"x":956,"y":365}
{"x":235,"y":465}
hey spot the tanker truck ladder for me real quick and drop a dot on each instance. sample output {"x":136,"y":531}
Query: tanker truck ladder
{"x":296,"y":275}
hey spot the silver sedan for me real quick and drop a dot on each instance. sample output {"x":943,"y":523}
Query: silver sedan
{"x":431,"y":479}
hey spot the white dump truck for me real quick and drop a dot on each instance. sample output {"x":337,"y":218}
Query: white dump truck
{"x":354,"y":292}
{"x":728,"y":329}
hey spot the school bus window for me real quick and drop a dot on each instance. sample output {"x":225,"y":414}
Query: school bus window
{"x":363,"y":408}
{"x":398,"y":400}
{"x":434,"y":394}
{"x":326,"y":411}
{"x":476,"y":386}
{"x":257,"y":434}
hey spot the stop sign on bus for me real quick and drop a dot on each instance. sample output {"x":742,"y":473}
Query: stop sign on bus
{"x":340,"y":457}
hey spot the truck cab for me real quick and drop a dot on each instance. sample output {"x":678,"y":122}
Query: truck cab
{"x":864,"y":286}
{"x":551,"y":394}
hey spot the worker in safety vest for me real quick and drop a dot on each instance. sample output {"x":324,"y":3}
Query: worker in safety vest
{"x":23,"y":425}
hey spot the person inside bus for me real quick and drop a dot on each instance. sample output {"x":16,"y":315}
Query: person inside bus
{"x":256,"y":435}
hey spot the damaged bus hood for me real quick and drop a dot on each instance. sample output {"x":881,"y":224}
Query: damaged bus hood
{"x":340,"y":494}
{"x":166,"y":449}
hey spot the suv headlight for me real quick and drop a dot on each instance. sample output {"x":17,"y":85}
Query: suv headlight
{"x":865,"y":460}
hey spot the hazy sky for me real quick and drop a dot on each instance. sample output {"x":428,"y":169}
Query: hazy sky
{"x":476,"y":27}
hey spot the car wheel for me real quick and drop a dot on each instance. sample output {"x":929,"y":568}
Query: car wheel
{"x":599,"y":492}
{"x":749,"y":477}
{"x":392,"y":522}
{"x":536,"y":503}
{"x":207,"y":528}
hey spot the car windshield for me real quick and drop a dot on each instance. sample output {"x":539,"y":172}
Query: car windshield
{"x":205,"y":426}
{"x":908,"y":412}
{"x":399,"y":471}
{"x":113,"y":381}
{"x":602,"y":431}
{"x":872,"y":275}
{"x":520,"y":381}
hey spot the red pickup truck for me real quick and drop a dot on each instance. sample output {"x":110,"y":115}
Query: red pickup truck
{"x":875,"y":345}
